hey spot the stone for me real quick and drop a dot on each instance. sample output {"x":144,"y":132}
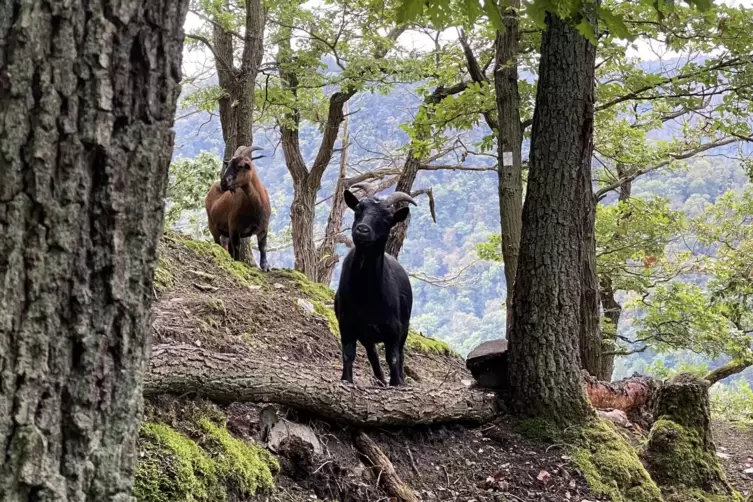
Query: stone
{"x":284,"y":429}
{"x":488,"y":364}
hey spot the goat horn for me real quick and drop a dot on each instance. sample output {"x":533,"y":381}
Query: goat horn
{"x":245,"y":151}
{"x":367,"y":188}
{"x":399,"y":197}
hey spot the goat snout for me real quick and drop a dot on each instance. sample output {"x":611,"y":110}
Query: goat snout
{"x":362,"y":230}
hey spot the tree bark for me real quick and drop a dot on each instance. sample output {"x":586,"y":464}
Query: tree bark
{"x":544,"y":355}
{"x":326,"y":253}
{"x":227,"y":378}
{"x":629,"y":395}
{"x":509,"y":146}
{"x":88,"y":92}
{"x":612,"y":308}
{"x":238,"y":83}
{"x":383,"y":469}
{"x":591,"y":339}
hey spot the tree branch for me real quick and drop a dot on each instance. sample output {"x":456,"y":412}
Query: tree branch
{"x":208,"y":44}
{"x":731,"y":368}
{"x":600,"y":194}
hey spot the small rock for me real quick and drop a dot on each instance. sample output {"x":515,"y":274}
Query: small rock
{"x":254,"y":287}
{"x":283,"y":429}
{"x":305,"y":305}
{"x":277,"y":285}
{"x":720,"y":454}
{"x":749,"y":470}
{"x":543,"y":476}
{"x":198,"y":343}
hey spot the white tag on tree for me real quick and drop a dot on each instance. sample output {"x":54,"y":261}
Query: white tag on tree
{"x":506,"y":158}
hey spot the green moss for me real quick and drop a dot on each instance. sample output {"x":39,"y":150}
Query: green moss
{"x":163,"y":278}
{"x":420,"y":343}
{"x":245,"y":466}
{"x":174,"y":467}
{"x":609,"y":464}
{"x":242,"y":273}
{"x":329,"y":314}
{"x":685,"y":468}
{"x":313,"y":290}
{"x":538,"y":429}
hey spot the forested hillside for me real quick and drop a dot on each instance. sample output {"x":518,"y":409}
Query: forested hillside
{"x":459,"y":297}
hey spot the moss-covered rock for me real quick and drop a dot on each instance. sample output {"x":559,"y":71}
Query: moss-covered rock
{"x":680,"y":453}
{"x":196,"y":458}
{"x":610,"y":465}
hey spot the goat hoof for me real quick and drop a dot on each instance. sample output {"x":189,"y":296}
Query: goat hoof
{"x":264,"y":267}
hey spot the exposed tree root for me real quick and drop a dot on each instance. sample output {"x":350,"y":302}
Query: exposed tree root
{"x":383,"y":469}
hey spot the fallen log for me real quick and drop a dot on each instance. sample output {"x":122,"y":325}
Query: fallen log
{"x":488,"y":365}
{"x":383,"y":469}
{"x":227,"y":378}
{"x":629,"y":395}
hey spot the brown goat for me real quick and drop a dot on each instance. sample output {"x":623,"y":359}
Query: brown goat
{"x":238,"y":206}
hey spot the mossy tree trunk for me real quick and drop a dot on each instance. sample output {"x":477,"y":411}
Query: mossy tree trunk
{"x":545,"y":372}
{"x":680,"y":453}
{"x":87,"y":101}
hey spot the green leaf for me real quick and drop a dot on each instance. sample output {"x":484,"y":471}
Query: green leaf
{"x":492,"y":10}
{"x":585,"y":29}
{"x":409,"y":10}
{"x":615,"y":23}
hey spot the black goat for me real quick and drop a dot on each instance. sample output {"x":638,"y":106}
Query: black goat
{"x":374,"y":298}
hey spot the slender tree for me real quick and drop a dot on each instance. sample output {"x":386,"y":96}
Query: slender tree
{"x":88,"y":93}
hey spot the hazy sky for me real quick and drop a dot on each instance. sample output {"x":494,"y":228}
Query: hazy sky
{"x":412,"y":40}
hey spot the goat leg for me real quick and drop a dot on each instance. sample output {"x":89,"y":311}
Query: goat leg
{"x":371,"y":351}
{"x":393,"y":358}
{"x":349,"y":355}
{"x":261,"y":239}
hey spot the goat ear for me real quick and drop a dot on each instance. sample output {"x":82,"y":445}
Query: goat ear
{"x":350,"y":199}
{"x":400,"y":215}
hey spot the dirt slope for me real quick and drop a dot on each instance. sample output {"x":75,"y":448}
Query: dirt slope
{"x":194,"y":450}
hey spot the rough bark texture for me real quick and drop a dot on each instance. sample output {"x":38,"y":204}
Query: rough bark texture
{"x":613,"y":312}
{"x":404,"y":184}
{"x":509,"y":145}
{"x":680,"y":453}
{"x":382,"y":469}
{"x":629,"y":395}
{"x":87,"y":100}
{"x":237,"y":104}
{"x":488,"y":363}
{"x":607,"y":296}
{"x":327,"y":257}
{"x":226,"y":378}
{"x":544,"y":357}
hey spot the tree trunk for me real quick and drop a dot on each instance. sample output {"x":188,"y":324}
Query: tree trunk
{"x":612,"y":309}
{"x":545,"y":373}
{"x":302,"y":212}
{"x":88,"y":92}
{"x":227,"y":378}
{"x":509,"y":145}
{"x":404,"y":184}
{"x":237,"y":103}
{"x":680,"y":453}
{"x":613,"y":312}
{"x":326,"y":254}
{"x":591,"y":340}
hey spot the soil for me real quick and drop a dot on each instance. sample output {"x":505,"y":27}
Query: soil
{"x":272,"y":318}
{"x":734,"y":447}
